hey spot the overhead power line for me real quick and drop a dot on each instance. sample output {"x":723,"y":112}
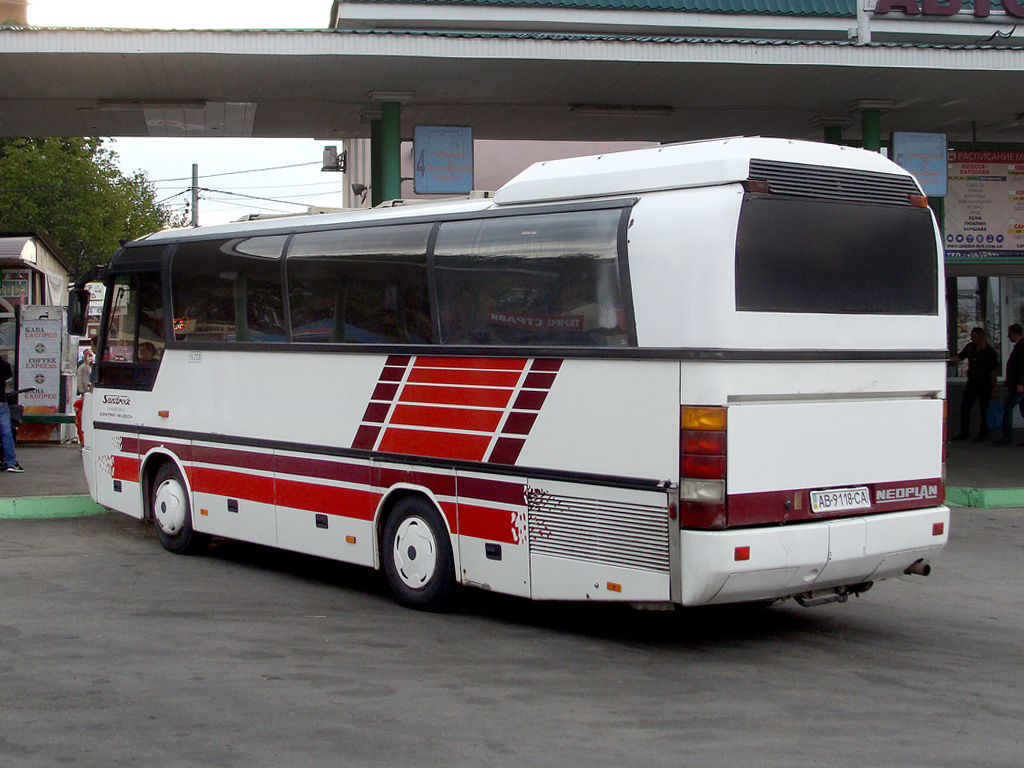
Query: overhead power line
{"x":235,"y":173}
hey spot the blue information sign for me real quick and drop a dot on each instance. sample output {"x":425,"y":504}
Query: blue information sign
{"x":924,"y":155}
{"x":443,"y":160}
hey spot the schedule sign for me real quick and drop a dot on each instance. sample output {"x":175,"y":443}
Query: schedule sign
{"x":924,"y":155}
{"x":985,"y":204}
{"x":443,"y":160}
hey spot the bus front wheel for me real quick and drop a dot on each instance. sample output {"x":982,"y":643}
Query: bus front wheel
{"x":417,"y":555}
{"x":172,"y":513}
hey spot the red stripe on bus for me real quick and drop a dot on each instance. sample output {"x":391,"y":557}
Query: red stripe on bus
{"x":126,"y":468}
{"x":182,"y":450}
{"x":486,"y":523}
{"x":519,"y":423}
{"x":473,"y":378}
{"x":227,"y":457}
{"x":376,"y":413}
{"x":451,"y":515}
{"x":438,"y":395}
{"x":358,"y":504}
{"x":438,"y":483}
{"x":530,"y":400}
{"x":235,"y":485}
{"x":366,"y":438}
{"x":446,"y":418}
{"x":385,"y":392}
{"x":481,"y":489}
{"x":546,"y":364}
{"x":442,"y":445}
{"x":539,"y":380}
{"x":390,"y":373}
{"x":487,"y":363}
{"x":323,"y":469}
{"x":506,"y":450}
{"x":130,"y":445}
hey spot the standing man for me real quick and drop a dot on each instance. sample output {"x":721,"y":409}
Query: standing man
{"x":10,"y":463}
{"x":84,"y":373}
{"x":1014,"y":382}
{"x":982,"y":372}
{"x":83,"y":383}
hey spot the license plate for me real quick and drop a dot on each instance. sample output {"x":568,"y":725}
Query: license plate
{"x":840,"y":500}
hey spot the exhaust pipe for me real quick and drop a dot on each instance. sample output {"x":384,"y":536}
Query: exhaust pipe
{"x":836,"y":595}
{"x":919,"y":568}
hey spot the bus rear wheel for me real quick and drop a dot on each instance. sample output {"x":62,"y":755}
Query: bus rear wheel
{"x":171,"y":512}
{"x":417,"y":555}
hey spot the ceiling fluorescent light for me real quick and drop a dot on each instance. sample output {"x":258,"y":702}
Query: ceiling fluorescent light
{"x":123,"y":105}
{"x":621,"y":110}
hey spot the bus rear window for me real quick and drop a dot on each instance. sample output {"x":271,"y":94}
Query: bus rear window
{"x":800,"y":255}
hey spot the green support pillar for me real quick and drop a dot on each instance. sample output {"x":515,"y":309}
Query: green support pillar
{"x":871,"y":120}
{"x":376,"y":184}
{"x":391,"y":149}
{"x":832,"y":128}
{"x":871,"y":129}
{"x":386,"y":146}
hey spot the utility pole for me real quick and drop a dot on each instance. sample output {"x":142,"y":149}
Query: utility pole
{"x":195,"y":194}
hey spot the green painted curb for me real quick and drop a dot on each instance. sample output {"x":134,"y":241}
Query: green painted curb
{"x":986,"y":498}
{"x":45,"y":507}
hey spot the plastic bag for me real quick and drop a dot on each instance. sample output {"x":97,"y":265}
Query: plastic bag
{"x":994,"y":415}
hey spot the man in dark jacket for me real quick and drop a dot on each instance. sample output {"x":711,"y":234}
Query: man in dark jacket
{"x":982,"y":371}
{"x":10,"y":460}
{"x":1014,"y":382}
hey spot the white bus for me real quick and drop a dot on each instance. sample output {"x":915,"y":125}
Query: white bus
{"x":702,"y":373}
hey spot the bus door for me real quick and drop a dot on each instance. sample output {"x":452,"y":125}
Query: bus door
{"x":130,"y":349}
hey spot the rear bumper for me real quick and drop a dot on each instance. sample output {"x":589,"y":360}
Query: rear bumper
{"x":790,"y":560}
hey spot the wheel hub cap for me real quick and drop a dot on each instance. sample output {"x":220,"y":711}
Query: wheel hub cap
{"x":169,"y":506}
{"x":415,"y":551}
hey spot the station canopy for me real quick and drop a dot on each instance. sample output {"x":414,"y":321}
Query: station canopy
{"x":602,"y":70}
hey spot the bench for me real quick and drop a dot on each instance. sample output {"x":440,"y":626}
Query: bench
{"x":48,"y":418}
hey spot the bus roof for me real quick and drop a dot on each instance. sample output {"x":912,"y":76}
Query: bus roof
{"x":672,"y":166}
{"x":676,"y":166}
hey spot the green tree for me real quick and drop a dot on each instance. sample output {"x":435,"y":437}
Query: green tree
{"x":72,"y":189}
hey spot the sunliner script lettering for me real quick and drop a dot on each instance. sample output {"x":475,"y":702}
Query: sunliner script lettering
{"x":117,"y":400}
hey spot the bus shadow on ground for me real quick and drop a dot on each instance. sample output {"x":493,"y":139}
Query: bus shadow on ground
{"x":692,"y":628}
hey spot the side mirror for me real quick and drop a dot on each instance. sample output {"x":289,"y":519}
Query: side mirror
{"x":78,"y":309}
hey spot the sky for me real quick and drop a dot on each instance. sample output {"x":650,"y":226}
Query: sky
{"x":230,"y":168}
{"x":244,"y":176}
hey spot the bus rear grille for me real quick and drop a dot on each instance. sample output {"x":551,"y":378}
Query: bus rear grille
{"x":840,"y":184}
{"x":592,"y":530}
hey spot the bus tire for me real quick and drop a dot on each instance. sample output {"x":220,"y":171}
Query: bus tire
{"x":417,"y":555}
{"x":171,"y":512}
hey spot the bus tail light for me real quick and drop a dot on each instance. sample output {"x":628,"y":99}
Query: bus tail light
{"x":702,"y":442}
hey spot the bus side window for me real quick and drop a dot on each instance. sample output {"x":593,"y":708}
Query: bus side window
{"x":228,"y":290}
{"x":534,"y":280}
{"x":134,"y":334}
{"x":360,"y":286}
{"x":135,"y":321}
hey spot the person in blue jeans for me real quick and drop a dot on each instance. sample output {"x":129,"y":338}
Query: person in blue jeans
{"x":1014,"y":382}
{"x":10,"y":463}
